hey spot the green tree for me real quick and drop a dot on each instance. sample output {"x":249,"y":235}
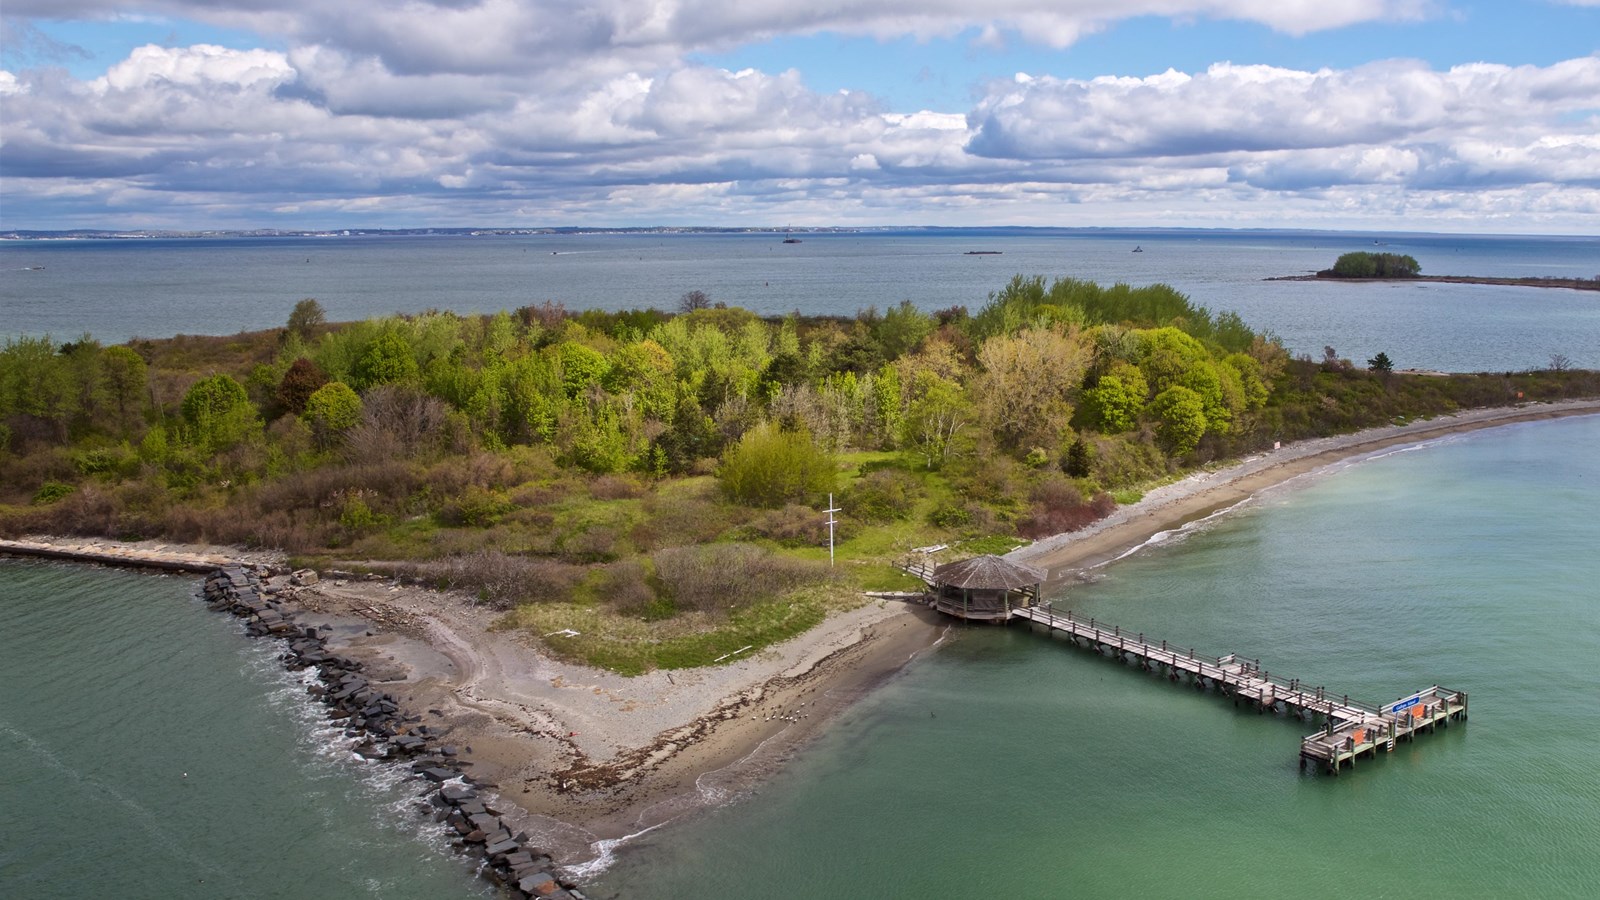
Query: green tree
{"x":1078,"y":462}
{"x":1181,"y":417}
{"x":770,"y":467}
{"x":902,"y":329}
{"x":936,"y":418}
{"x":387,"y":360}
{"x":1114,"y":404}
{"x":581,"y":366}
{"x":331,"y":411}
{"x":124,"y":374}
{"x":217,"y":413}
{"x":1381,"y":364}
{"x":306,"y":318}
{"x":1023,"y":394}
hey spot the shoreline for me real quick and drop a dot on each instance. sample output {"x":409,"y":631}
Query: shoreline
{"x":592,"y":759}
{"x":1575,"y":284}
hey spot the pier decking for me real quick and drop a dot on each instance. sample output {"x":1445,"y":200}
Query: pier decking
{"x":1352,"y":728}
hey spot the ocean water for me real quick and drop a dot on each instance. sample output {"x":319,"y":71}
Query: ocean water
{"x":1008,"y":764}
{"x":156,"y":288}
{"x":153,"y":751}
{"x":1004,"y":763}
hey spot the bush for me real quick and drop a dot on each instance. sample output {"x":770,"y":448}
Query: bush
{"x":616,"y":487}
{"x":502,"y":580}
{"x":476,"y":507}
{"x":799,"y":526}
{"x":770,"y":467}
{"x":331,"y":410}
{"x":885,"y":495}
{"x":51,"y":492}
{"x":719,"y":578}
{"x":1059,"y":507}
{"x":625,"y":586}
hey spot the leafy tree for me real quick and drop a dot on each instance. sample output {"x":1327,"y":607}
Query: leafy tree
{"x":581,"y":366}
{"x":902,"y":329}
{"x":387,"y":360}
{"x":1114,"y":404}
{"x":1023,"y":392}
{"x":36,"y":382}
{"x":1079,"y":461}
{"x":300,"y":381}
{"x":770,"y":467}
{"x":331,"y":411}
{"x":1381,"y":364}
{"x":1181,"y":418}
{"x":217,"y":413}
{"x":306,"y":318}
{"x":935,"y":419}
{"x":124,"y":374}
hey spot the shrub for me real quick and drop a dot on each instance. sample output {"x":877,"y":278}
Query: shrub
{"x":476,"y":506}
{"x":625,"y":586}
{"x":331,"y":410}
{"x":502,"y":580}
{"x":719,"y":578}
{"x":679,"y":520}
{"x":1058,"y":507}
{"x":884,"y":495}
{"x":616,"y":487}
{"x":795,"y":526}
{"x":51,"y":492}
{"x":770,"y":467}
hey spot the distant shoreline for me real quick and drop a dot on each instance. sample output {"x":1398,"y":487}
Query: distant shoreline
{"x":1576,"y":284}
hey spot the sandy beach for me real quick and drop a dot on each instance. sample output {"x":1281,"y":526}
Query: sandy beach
{"x":593,"y":757}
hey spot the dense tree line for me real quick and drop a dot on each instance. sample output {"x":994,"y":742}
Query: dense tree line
{"x":1046,"y":397}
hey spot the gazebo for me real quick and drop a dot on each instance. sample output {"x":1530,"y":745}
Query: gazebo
{"x":985,"y":588}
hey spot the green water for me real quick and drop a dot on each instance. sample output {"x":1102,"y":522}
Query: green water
{"x":150,"y":750}
{"x":1010,"y":765}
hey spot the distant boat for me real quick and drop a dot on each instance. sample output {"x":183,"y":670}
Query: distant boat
{"x":791,"y":240}
{"x":1138,"y":249}
{"x":983,"y":252}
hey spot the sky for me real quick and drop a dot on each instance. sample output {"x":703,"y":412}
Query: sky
{"x":1386,"y":115}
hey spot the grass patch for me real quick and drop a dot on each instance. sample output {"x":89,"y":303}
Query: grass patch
{"x":632,"y":646}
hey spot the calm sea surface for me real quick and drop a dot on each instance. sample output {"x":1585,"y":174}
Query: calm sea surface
{"x":152,"y":751}
{"x":156,"y":288}
{"x":1003,"y":762}
{"x":1009,"y":765}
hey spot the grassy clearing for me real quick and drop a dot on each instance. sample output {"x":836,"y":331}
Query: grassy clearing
{"x":630,"y":645}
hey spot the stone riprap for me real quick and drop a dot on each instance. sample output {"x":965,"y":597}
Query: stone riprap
{"x":384,"y":731}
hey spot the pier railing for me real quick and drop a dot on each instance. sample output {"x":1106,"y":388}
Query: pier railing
{"x":1354,"y":727}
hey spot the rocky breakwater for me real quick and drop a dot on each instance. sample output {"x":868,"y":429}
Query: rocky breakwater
{"x":384,"y":731}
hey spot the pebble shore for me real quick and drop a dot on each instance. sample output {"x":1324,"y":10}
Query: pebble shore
{"x":386,"y":732}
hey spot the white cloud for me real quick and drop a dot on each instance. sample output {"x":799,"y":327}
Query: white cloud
{"x":472,"y":112}
{"x":415,"y":37}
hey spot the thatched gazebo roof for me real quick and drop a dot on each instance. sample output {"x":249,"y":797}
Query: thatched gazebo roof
{"x":987,"y":573}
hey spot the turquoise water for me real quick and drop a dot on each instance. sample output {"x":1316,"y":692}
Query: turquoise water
{"x":157,"y":288}
{"x":151,"y":750}
{"x":1007,"y":764}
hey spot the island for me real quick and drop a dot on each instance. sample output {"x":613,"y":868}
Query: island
{"x":1365,"y":267}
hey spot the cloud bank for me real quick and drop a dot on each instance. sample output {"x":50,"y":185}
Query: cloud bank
{"x":529,"y":113}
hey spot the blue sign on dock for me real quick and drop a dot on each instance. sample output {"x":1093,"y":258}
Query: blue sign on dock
{"x":1405,"y":704}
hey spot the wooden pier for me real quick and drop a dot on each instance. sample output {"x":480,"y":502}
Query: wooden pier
{"x":1352,"y":728}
